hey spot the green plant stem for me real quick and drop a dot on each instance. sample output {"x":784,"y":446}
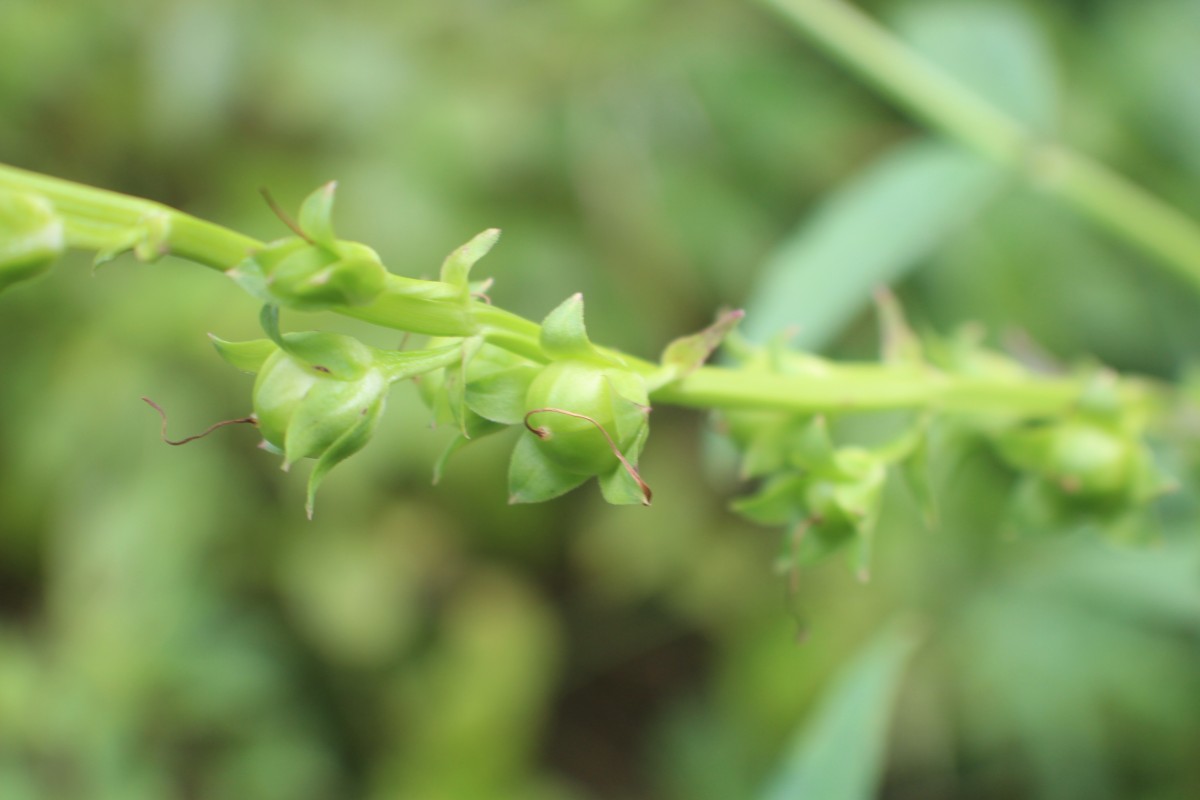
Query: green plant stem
{"x":94,"y":218}
{"x":879,"y":387}
{"x":1170,"y":237}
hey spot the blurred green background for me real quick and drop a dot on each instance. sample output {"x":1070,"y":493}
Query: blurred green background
{"x":172,"y":627}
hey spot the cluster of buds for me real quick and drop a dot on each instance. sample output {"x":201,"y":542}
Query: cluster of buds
{"x":826,"y":496}
{"x":1088,"y":462}
{"x":584,"y":414}
{"x":319,"y":395}
{"x":1091,"y":464}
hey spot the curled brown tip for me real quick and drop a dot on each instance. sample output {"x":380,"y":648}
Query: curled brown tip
{"x":251,"y":420}
{"x":542,"y":433}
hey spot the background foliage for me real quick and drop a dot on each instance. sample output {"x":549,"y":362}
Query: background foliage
{"x":171,"y":626}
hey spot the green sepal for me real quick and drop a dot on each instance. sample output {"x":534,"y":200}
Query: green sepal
{"x":564,"y":335}
{"x":823,"y":540}
{"x":898,"y":343}
{"x":779,"y":502}
{"x":915,"y":471}
{"x":810,"y":446}
{"x":456,"y":269}
{"x":621,"y":488}
{"x":688,"y":353}
{"x":398,"y":365}
{"x":453,"y":446}
{"x":532,"y":478}
{"x":347,"y":445}
{"x":334,"y":354}
{"x":339,"y":402}
{"x":149,"y":240}
{"x":764,"y":454}
{"x":311,"y":277}
{"x":630,"y":406}
{"x":316,"y":216}
{"x":246,"y":356}
{"x":32,"y":237}
{"x":1101,"y":396}
{"x":500,"y":396}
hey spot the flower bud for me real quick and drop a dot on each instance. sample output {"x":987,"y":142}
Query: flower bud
{"x":309,"y":276}
{"x":584,"y":414}
{"x":304,"y":410}
{"x":584,"y":420}
{"x":313,"y":270}
{"x":31,"y":237}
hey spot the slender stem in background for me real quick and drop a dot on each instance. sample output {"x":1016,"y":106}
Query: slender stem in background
{"x":862,"y":45}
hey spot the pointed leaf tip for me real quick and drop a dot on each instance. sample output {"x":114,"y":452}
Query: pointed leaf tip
{"x":564,"y":334}
{"x":456,"y":268}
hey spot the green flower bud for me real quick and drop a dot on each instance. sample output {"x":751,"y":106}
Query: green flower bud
{"x":319,"y":395}
{"x":1088,"y":459}
{"x":313,"y":270}
{"x":31,"y":237}
{"x":584,"y":420}
{"x":303,"y":413}
{"x":312,"y":277}
{"x":584,"y":414}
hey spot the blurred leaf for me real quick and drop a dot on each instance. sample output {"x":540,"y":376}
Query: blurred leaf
{"x":840,"y":754}
{"x":994,"y":48}
{"x":865,"y":236}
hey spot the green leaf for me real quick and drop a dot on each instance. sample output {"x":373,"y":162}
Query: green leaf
{"x":840,"y":753}
{"x":246,"y":356}
{"x":456,"y":269}
{"x":996,"y":49}
{"x":532,"y":478}
{"x":867,"y":235}
{"x":316,"y":216}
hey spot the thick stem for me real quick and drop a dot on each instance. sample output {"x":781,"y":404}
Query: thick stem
{"x":95,"y":217}
{"x":879,"y":387}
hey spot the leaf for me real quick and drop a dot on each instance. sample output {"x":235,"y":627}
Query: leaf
{"x":457,"y":266}
{"x":246,"y":356}
{"x":316,"y":216}
{"x":839,"y":754}
{"x":532,"y":478}
{"x":995,"y":49}
{"x":865,"y":236}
